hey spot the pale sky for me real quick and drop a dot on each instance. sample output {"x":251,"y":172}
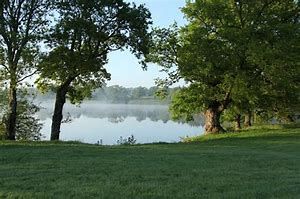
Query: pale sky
{"x":124,"y":67}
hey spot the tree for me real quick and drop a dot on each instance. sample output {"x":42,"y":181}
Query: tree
{"x":138,"y":92}
{"x":117,"y":94}
{"x":22,"y":24}
{"x":87,"y":30}
{"x":27,"y":125}
{"x":225,"y":54}
{"x":151,"y":91}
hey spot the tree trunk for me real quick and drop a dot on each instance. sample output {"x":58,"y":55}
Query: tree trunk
{"x":238,"y":122}
{"x":290,"y":119}
{"x":58,"y":108}
{"x":12,"y":112}
{"x":248,"y":118}
{"x":58,"y":113}
{"x":212,"y":120}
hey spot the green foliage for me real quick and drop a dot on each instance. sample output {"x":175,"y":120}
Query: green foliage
{"x":2,"y":113}
{"x":2,"y":131}
{"x":116,"y":94}
{"x":119,"y":94}
{"x":86,"y":32}
{"x":28,"y":127}
{"x":163,"y":51}
{"x":23,"y":24}
{"x":242,"y":54}
{"x":139,"y":92}
{"x":186,"y":103}
{"x":126,"y":141}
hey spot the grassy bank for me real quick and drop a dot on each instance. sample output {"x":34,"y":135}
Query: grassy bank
{"x":258,"y":163}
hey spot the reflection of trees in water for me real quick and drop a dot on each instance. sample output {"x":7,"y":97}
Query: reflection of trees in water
{"x":117,"y":113}
{"x":198,"y":121}
{"x":117,"y":119}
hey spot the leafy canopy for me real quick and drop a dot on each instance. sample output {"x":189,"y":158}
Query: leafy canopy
{"x":86,"y":32}
{"x":231,"y":52}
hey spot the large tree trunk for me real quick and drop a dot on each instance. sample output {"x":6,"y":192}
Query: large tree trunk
{"x":248,"y":118}
{"x":212,"y":119}
{"x":12,"y":112}
{"x":238,"y":122}
{"x":58,"y":113}
{"x":58,"y":109}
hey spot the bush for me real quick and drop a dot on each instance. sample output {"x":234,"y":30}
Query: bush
{"x":127,"y":141}
{"x":28,"y":126}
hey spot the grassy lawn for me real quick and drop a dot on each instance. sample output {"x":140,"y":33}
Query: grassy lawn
{"x":258,"y":163}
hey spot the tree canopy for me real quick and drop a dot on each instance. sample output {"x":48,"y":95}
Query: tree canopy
{"x":231,"y":54}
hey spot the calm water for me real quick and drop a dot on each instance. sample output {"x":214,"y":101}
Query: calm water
{"x":93,"y":121}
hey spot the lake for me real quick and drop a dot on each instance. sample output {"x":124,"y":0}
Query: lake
{"x":94,"y":121}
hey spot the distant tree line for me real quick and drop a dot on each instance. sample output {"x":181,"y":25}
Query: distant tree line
{"x":118,"y":94}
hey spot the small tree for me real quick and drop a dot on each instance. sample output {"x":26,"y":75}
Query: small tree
{"x":27,"y":125}
{"x":87,"y":30}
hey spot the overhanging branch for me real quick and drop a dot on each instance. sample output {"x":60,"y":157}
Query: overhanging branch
{"x":27,"y":76}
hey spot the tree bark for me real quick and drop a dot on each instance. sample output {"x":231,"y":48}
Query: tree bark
{"x":238,"y":122}
{"x":58,"y":109}
{"x":248,"y":118}
{"x":12,"y":112}
{"x":212,"y":119}
{"x":290,"y":119}
{"x":58,"y":114}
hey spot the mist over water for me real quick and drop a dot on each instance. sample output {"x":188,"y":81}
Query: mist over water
{"x":93,"y":121}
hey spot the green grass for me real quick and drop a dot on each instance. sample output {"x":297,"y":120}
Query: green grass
{"x":258,"y":163}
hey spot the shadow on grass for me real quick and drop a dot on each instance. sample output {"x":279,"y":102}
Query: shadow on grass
{"x":257,"y":133}
{"x":291,"y":126}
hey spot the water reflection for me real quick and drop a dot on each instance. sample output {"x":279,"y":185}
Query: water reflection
{"x":93,"y":121}
{"x":115,"y":113}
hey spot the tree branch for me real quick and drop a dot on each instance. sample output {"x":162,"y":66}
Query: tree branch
{"x":25,"y":77}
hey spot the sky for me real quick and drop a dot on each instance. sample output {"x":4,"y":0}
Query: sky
{"x":124,"y":67}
